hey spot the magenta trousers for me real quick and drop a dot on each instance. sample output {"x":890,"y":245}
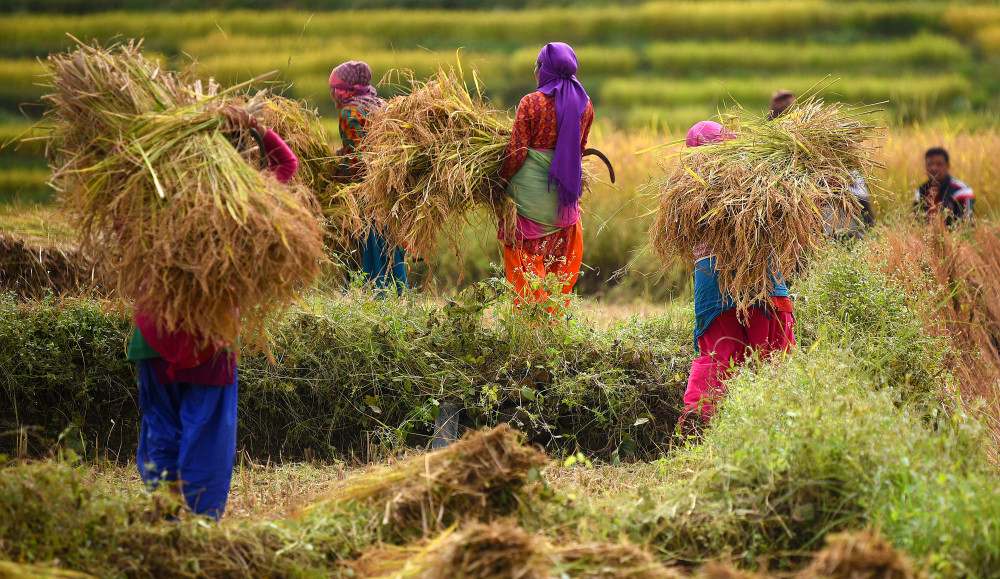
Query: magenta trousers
{"x":726,"y":344}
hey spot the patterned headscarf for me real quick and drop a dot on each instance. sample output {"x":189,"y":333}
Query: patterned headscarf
{"x":351,"y":83}
{"x":557,"y":67}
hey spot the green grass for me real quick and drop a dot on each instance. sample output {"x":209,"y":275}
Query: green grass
{"x":35,"y":35}
{"x":910,"y":92}
{"x":18,"y":141}
{"x":220,"y":43}
{"x":686,"y":39}
{"x":830,"y":438}
{"x":20,"y":82}
{"x":742,"y":56}
{"x":24,"y":184}
{"x":837,"y":436}
{"x":362,"y":375}
{"x":35,"y":219}
{"x":809,"y":447}
{"x":989,"y":40}
{"x":848,"y":301}
{"x":967,"y":20}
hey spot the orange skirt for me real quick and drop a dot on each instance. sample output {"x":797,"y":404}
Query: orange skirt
{"x":560,"y":253}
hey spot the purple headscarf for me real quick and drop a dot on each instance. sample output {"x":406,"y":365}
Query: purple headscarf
{"x":557,"y":67}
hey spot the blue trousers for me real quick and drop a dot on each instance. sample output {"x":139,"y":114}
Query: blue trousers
{"x":384,"y":265}
{"x":188,"y":434}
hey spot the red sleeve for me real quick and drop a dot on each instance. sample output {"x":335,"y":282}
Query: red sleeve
{"x":520,"y":138}
{"x":585,"y":123}
{"x":179,"y":349}
{"x":280,"y":158}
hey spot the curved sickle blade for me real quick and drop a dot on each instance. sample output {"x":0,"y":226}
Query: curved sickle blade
{"x":260,"y":147}
{"x":602,"y":157}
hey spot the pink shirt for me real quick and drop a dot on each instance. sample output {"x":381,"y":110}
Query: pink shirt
{"x":280,"y":159}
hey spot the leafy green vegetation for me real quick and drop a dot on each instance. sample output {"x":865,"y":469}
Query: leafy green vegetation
{"x":802,"y":446}
{"x":363,"y":375}
{"x":825,"y":439}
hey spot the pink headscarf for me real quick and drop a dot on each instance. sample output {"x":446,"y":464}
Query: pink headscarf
{"x":351,"y":83}
{"x":705,"y":132}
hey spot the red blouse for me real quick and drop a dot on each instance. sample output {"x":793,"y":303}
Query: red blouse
{"x":535,"y":128}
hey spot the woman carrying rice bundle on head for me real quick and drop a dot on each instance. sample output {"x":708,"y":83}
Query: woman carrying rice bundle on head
{"x":352,"y":91}
{"x":544,"y":172}
{"x":188,"y":390}
{"x":722,"y":339}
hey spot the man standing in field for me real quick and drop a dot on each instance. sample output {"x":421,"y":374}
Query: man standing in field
{"x":943,"y":194}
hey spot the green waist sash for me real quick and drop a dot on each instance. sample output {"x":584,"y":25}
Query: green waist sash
{"x":530,"y":190}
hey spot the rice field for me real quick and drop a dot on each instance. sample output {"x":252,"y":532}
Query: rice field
{"x":674,"y":40}
{"x":616,"y":217}
{"x":873,"y":447}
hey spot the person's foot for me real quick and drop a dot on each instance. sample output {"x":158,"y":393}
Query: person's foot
{"x":446,"y":425}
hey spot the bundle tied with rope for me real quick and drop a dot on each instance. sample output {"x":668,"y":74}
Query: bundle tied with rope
{"x":162,"y":196}
{"x":756,"y":200}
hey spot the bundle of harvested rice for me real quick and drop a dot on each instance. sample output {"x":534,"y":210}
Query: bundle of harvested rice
{"x":431,"y":157}
{"x":500,"y":550}
{"x":164,"y":200}
{"x":476,"y":478}
{"x":31,"y":270}
{"x":503,"y":550}
{"x":755,"y":201}
{"x":301,"y":128}
{"x":858,"y":555}
{"x":610,"y":560}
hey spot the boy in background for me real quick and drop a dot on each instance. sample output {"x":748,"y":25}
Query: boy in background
{"x":943,"y":194}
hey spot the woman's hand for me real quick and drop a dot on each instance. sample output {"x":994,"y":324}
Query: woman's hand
{"x":239,"y":118}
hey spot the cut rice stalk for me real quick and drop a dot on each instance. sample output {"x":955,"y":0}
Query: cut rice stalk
{"x":165,"y":202}
{"x":430,"y":158}
{"x":301,"y":128}
{"x":755,"y":201}
{"x":475,"y":478}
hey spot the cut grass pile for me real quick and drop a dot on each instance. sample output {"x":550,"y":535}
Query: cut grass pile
{"x":166,"y":203}
{"x":430,"y":157}
{"x":502,"y":550}
{"x":56,"y":512}
{"x":755,"y":201}
{"x":472,"y":479}
{"x":32,"y":270}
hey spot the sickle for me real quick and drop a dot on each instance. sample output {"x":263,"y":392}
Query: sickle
{"x":263,"y":152}
{"x":602,"y":157}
